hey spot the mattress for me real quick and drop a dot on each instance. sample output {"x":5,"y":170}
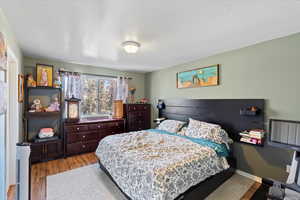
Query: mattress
{"x":151,"y":165}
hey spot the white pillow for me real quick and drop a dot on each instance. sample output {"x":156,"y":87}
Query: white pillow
{"x":172,"y":126}
{"x":204,"y":130}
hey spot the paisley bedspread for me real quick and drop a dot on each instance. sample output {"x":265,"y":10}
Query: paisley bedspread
{"x":148,"y":165}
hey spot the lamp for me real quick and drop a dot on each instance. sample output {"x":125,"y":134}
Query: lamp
{"x":73,"y":109}
{"x":131,"y":46}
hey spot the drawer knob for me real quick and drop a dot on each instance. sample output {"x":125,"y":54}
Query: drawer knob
{"x":83,"y":146}
{"x":99,"y":126}
{"x":83,"y":136}
{"x":77,"y":128}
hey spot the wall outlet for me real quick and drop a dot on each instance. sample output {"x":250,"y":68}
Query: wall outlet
{"x":288,"y":168}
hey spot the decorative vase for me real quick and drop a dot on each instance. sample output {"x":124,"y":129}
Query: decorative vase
{"x":118,"y":109}
{"x":132,"y":91}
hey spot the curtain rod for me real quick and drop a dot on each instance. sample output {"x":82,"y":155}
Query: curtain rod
{"x":109,"y":76}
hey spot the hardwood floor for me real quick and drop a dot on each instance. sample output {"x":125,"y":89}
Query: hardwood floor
{"x":251,"y":191}
{"x":40,"y":171}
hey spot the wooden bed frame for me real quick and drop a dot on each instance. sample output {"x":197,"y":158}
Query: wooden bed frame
{"x":199,"y":191}
{"x":225,"y":112}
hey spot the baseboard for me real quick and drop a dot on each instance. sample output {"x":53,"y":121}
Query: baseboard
{"x":250,"y":176}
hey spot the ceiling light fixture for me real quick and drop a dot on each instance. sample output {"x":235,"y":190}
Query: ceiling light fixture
{"x":131,"y":46}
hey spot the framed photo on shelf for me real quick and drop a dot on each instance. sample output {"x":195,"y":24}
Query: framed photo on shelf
{"x":44,"y":75}
{"x":20,"y":88}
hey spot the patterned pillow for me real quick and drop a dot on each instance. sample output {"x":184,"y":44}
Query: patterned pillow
{"x":172,"y":126}
{"x":226,"y":139}
{"x":208,"y":131}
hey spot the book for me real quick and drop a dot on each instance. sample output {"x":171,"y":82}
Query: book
{"x":256,"y":131}
{"x":251,"y":140}
{"x":258,"y":134}
{"x":251,"y":135}
{"x":248,"y":140}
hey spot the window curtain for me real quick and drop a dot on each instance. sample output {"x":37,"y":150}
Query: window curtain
{"x":70,"y":87}
{"x":71,"y":84}
{"x":121,"y":90}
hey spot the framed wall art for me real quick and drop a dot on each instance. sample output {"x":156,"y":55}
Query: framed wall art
{"x":44,"y":75}
{"x":20,"y":88}
{"x":205,"y":76}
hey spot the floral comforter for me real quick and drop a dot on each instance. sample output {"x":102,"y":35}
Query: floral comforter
{"x":148,"y":165}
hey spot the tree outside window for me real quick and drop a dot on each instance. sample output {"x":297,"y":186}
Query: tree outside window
{"x":96,"y":95}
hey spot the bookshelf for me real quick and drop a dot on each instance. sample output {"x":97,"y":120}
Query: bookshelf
{"x":252,"y":137}
{"x":50,"y":148}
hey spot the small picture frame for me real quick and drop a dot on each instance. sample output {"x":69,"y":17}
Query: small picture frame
{"x":20,"y":88}
{"x":44,"y":75}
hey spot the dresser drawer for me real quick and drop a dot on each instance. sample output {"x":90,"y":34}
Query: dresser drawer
{"x":114,"y":131}
{"x":136,"y":128}
{"x":96,"y":126}
{"x":137,"y":107}
{"x":78,"y":137}
{"x":114,"y":125}
{"x":76,"y":128}
{"x":82,"y":147}
{"x":85,"y":137}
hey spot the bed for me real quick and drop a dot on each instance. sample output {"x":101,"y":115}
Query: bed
{"x":161,"y":165}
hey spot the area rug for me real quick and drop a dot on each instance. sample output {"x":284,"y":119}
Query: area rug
{"x":91,"y":183}
{"x":88,"y":183}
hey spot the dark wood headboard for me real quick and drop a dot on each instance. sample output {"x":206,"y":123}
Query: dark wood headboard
{"x":225,"y":112}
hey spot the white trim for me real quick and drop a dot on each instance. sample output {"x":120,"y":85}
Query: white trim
{"x":250,"y":176}
{"x":13,"y":118}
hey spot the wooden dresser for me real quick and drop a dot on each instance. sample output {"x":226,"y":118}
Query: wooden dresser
{"x":84,"y":136}
{"x":138,"y":116}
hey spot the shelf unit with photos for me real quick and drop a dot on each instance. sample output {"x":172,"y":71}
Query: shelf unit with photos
{"x":43,"y":149}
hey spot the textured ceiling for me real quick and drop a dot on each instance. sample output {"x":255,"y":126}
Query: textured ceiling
{"x":171,"y":32}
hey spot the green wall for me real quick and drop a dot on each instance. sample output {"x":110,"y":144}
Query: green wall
{"x":269,"y":70}
{"x":138,"y":79}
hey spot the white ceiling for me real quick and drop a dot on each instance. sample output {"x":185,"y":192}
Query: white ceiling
{"x":171,"y":32}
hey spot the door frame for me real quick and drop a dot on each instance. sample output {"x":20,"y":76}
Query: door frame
{"x":13,"y":110}
{"x":3,"y":155}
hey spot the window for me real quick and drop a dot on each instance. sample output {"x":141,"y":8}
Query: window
{"x":96,"y":95}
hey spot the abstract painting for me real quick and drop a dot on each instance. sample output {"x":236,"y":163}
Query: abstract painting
{"x":205,"y":76}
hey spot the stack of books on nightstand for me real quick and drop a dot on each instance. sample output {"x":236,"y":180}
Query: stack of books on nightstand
{"x":254,"y":136}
